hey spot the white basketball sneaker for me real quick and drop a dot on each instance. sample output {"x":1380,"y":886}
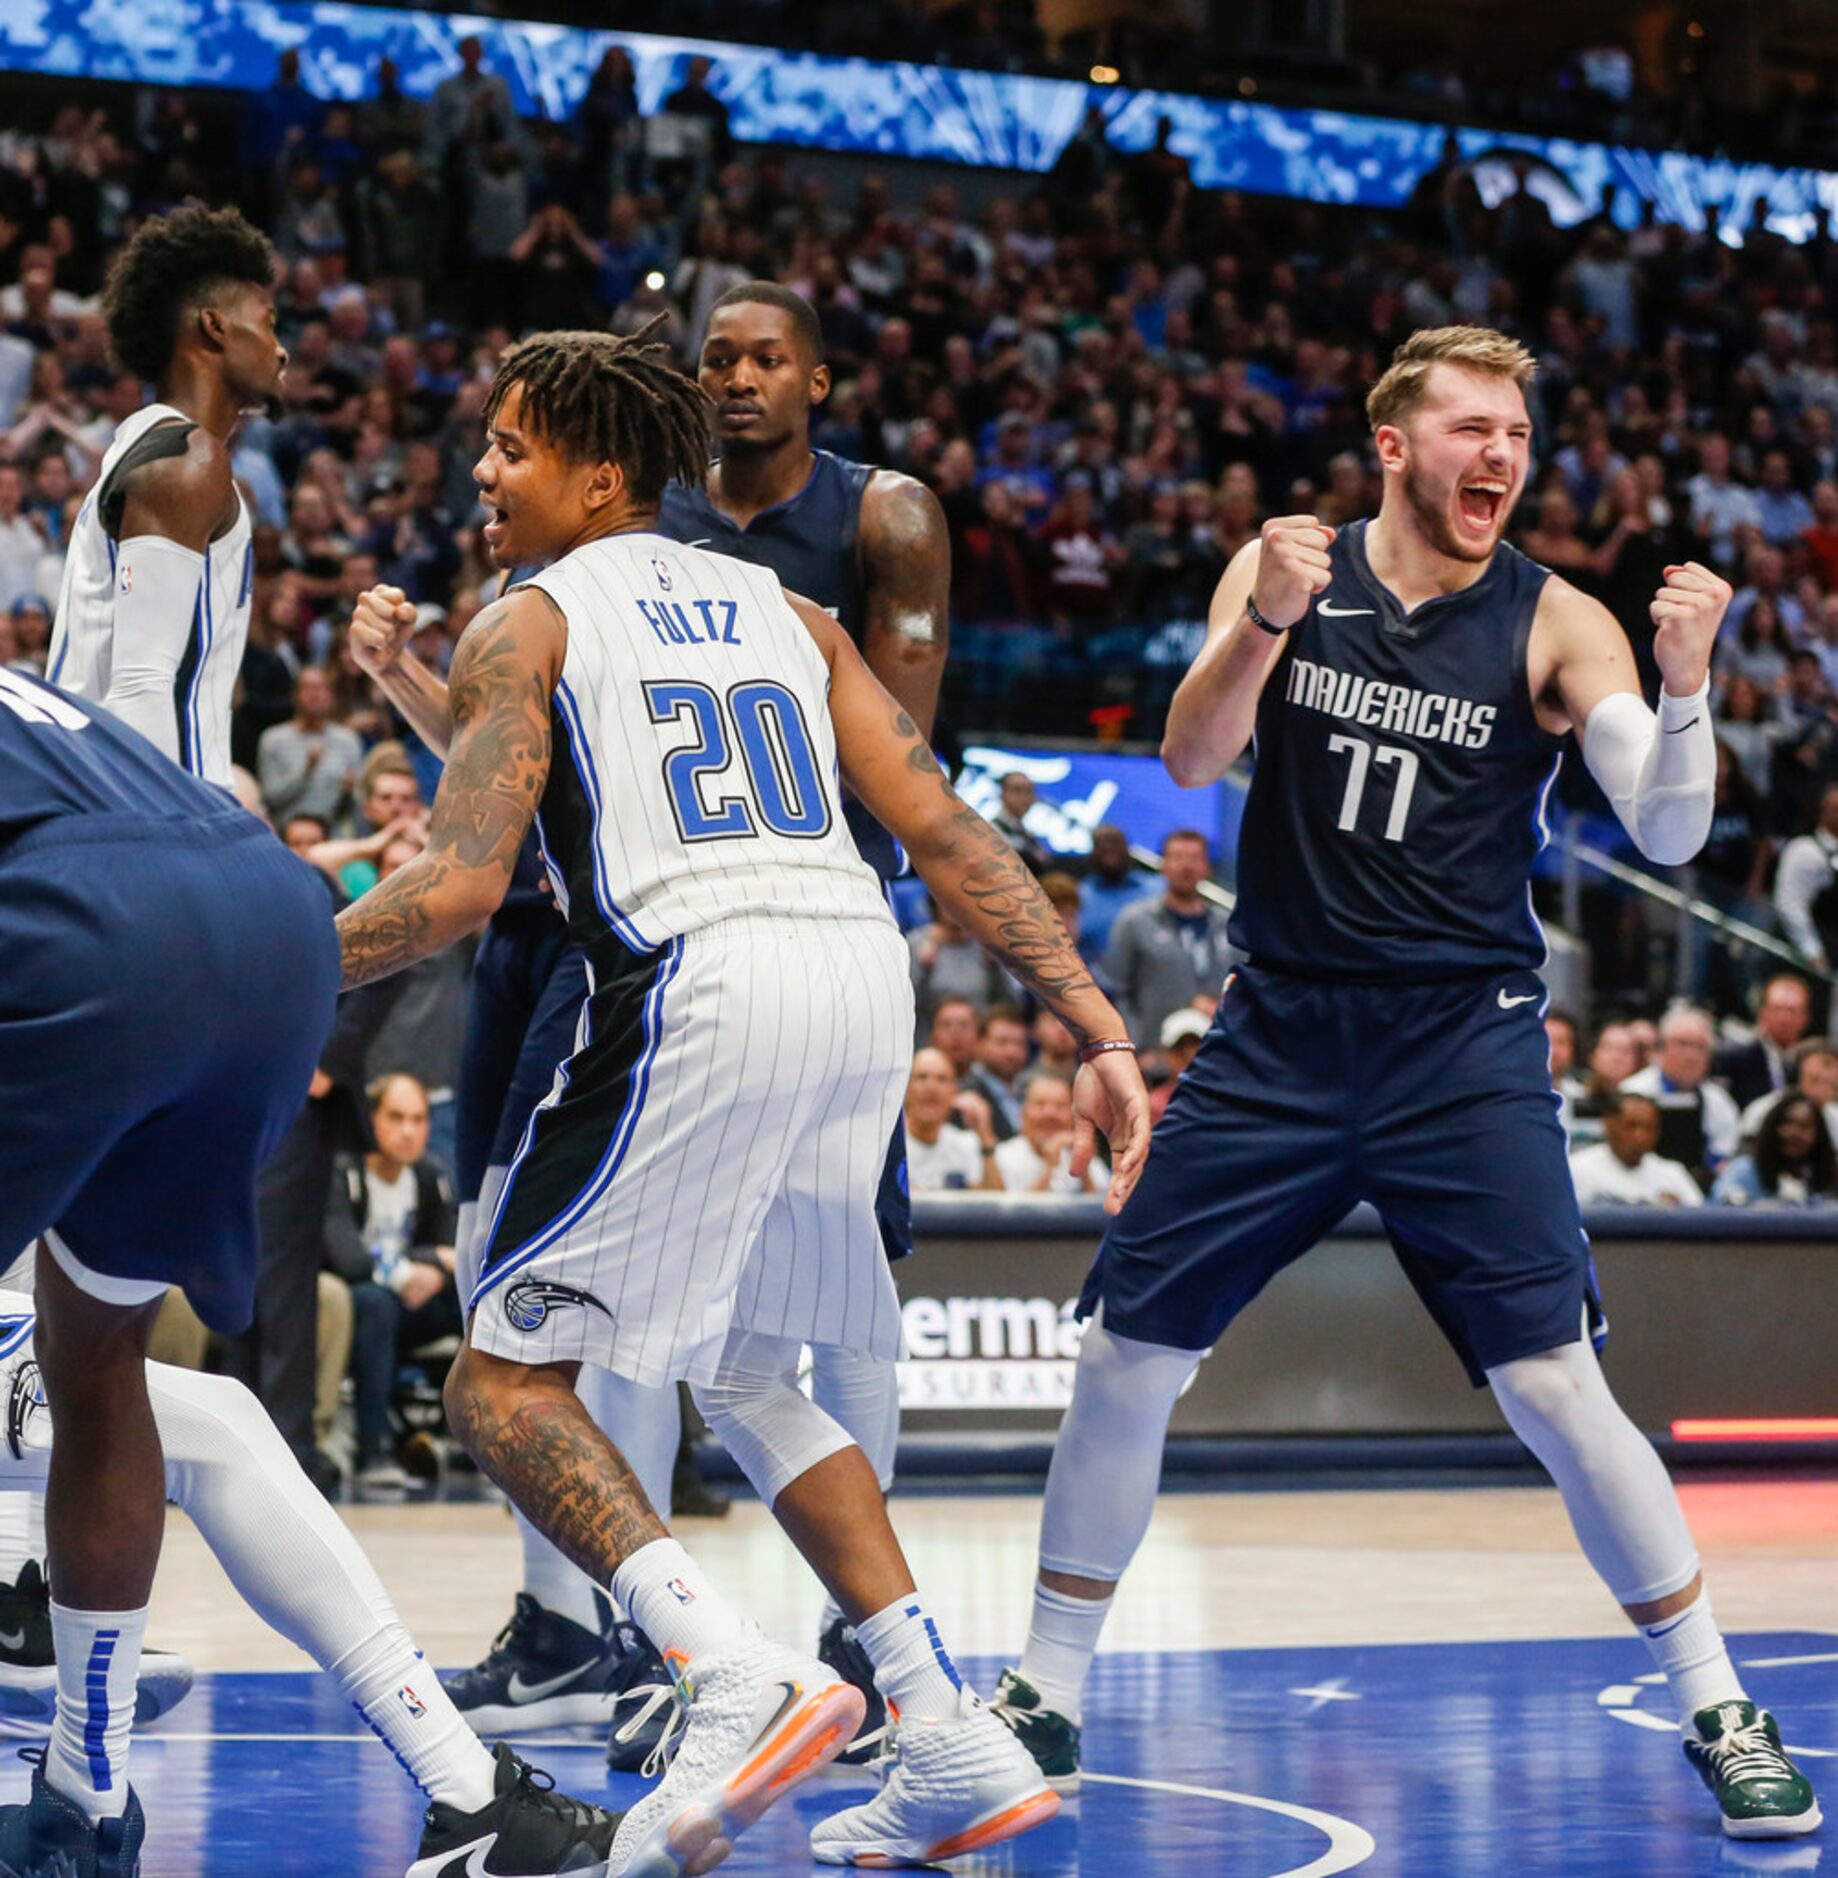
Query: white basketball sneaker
{"x":759,"y":1720}
{"x":955,"y":1786}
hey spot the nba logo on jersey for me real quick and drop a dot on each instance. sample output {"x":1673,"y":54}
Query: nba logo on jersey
{"x":127,"y":578}
{"x":662,"y":570}
{"x":411,"y":1701}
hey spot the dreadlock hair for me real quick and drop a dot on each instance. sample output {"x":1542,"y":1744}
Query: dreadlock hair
{"x":598,"y":398}
{"x":173,"y":264}
{"x":803,"y":316}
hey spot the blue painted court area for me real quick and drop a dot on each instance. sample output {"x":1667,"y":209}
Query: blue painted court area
{"x":1484,"y":1760}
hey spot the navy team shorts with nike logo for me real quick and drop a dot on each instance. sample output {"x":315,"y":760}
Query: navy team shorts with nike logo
{"x":1431,"y":1101}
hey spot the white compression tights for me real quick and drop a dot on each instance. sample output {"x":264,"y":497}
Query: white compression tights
{"x":862,"y":1393}
{"x":1614,"y":1487}
{"x":770,"y":1426}
{"x":1107,"y":1461}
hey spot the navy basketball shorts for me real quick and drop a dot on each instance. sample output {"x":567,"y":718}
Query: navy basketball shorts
{"x":165,"y":991}
{"x":1431,"y":1101}
{"x":529,"y":983}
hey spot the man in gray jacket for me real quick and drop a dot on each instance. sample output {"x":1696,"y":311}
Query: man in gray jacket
{"x":1165,"y":952}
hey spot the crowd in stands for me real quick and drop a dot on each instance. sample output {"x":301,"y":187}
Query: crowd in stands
{"x":1660,"y":1115}
{"x":1110,"y":380}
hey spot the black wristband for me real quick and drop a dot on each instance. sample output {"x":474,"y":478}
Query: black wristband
{"x":1258,"y":620}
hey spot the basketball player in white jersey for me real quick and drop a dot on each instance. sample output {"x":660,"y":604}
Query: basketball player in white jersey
{"x":154,"y":611}
{"x":683,"y":726}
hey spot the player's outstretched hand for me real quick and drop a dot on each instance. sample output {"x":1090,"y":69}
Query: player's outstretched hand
{"x":1292,"y":567}
{"x":1109,"y":1093}
{"x":1687,"y":610}
{"x":381,"y":628}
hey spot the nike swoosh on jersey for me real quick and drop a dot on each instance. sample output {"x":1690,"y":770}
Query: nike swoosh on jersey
{"x":1332,"y":611}
{"x":1507,"y":1004}
{"x":1681,"y":729}
{"x":521,"y":1691}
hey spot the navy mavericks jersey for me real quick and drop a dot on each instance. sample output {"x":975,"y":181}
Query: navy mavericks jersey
{"x":61,"y":757}
{"x":810,"y":543}
{"x":1397,"y":798}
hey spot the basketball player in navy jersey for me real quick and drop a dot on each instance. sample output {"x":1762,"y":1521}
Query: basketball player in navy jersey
{"x":148,"y":923}
{"x":870,"y":547}
{"x":1409,"y":682}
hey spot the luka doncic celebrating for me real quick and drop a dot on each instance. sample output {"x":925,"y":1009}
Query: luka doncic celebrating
{"x":1408,"y":682}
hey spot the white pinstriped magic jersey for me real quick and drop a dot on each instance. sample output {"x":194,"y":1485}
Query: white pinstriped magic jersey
{"x":694,"y":770}
{"x":82,"y":656}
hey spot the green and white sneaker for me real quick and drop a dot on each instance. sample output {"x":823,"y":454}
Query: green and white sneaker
{"x":1052,"y":1738}
{"x":1762,"y":1795}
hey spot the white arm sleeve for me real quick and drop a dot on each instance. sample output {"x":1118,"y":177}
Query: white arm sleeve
{"x":1659,"y":770}
{"x":157,"y":586}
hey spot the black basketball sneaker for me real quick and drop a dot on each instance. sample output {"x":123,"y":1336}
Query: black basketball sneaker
{"x":528,"y":1831}
{"x":544,"y":1671}
{"x":28,"y":1662}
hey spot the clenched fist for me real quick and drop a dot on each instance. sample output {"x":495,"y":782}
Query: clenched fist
{"x":1688,"y":610}
{"x":381,"y":628}
{"x":1292,"y":567}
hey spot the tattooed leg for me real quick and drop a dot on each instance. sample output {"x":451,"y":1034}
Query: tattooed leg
{"x":526,"y":1428}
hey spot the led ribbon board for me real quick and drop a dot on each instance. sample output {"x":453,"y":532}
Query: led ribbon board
{"x":879,"y":108}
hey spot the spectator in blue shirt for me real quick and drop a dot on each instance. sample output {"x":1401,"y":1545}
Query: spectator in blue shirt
{"x":1113,"y":883}
{"x":1785,"y":512}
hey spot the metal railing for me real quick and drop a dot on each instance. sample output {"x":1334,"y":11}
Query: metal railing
{"x":1729,"y":927}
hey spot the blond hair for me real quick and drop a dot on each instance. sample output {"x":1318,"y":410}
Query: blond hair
{"x":1480,"y":349}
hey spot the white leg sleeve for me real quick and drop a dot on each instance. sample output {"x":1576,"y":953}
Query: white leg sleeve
{"x":1614,"y":1486}
{"x":862,"y":1392}
{"x":643,"y":1424}
{"x":285,"y":1550}
{"x":770,"y":1426}
{"x":1107,"y":1461}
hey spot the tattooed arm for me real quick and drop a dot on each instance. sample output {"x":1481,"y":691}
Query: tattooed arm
{"x":504,"y":673}
{"x":979,"y":880}
{"x":905,"y":553}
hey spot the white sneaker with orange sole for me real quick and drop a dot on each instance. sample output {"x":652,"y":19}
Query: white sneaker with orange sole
{"x":955,"y":1786}
{"x":760,"y":1720}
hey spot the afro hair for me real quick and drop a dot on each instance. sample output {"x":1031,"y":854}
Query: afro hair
{"x":174,"y":263}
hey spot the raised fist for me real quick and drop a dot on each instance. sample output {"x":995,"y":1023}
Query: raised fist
{"x":1292,"y":567}
{"x":1688,"y":610}
{"x":381,"y":628}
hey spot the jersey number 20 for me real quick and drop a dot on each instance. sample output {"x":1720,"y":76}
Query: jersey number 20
{"x":784,"y":792}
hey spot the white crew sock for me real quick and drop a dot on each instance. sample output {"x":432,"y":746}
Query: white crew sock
{"x":387,"y":1680}
{"x":673,"y":1604}
{"x":911,"y":1664}
{"x":1689,"y":1647}
{"x":1061,"y":1642}
{"x":98,"y":1667}
{"x":832,"y":1614}
{"x":22,"y":1532}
